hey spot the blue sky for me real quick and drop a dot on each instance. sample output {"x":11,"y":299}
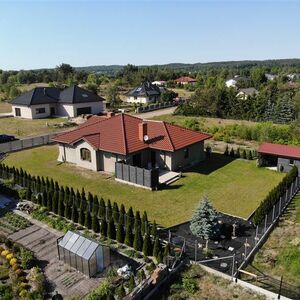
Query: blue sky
{"x":36,"y":34}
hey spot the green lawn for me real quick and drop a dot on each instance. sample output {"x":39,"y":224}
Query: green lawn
{"x":234,"y":187}
{"x":27,"y":127}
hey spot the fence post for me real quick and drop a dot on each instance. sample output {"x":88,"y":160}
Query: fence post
{"x":273,"y":213}
{"x":279,"y":211}
{"x":266,"y":217}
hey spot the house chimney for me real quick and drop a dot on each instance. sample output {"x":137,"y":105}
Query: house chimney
{"x":110,"y":114}
{"x":142,"y":131}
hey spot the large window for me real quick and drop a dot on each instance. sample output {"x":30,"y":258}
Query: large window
{"x":85,"y":154}
{"x":40,"y":110}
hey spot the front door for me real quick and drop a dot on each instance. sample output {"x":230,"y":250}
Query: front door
{"x":52,"y":111}
{"x":153,"y":159}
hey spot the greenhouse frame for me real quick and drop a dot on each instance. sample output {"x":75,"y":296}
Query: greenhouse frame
{"x":83,"y":254}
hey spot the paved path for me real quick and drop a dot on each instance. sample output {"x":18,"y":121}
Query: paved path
{"x":155,"y":113}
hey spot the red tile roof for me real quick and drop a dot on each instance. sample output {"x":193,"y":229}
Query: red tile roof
{"x":185,"y":79}
{"x":120,"y":134}
{"x":279,"y":150}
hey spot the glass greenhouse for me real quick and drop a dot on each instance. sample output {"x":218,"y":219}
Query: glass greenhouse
{"x":83,"y":254}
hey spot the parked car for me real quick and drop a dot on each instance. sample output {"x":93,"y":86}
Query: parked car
{"x":4,"y":138}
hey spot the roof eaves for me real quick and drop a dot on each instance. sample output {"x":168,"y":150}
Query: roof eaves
{"x":124,"y":135}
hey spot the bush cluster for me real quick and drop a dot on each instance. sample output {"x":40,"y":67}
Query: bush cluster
{"x":271,"y":199}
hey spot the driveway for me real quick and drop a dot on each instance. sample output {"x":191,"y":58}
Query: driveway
{"x":156,"y":113}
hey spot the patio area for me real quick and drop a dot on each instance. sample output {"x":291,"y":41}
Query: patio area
{"x":167,"y":177}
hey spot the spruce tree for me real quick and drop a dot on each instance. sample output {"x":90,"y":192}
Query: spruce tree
{"x":159,"y":257}
{"x":226,"y":152}
{"x":102,"y":209}
{"x":39,"y":199}
{"x":111,"y":229}
{"x":128,"y":235}
{"x":204,"y":219}
{"x":28,"y":193}
{"x":61,"y":208}
{"x":108,"y":210}
{"x":87,"y":220}
{"x":154,"y":229}
{"x":55,"y":202}
{"x":244,"y":154}
{"x":95,"y":224}
{"x":81,"y":217}
{"x":52,"y":186}
{"x":44,"y":199}
{"x":90,"y":202}
{"x":249,"y":155}
{"x":120,"y":230}
{"x":144,"y":224}
{"x":115,"y":212}
{"x":130,"y":217}
{"x":231,"y":153}
{"x":74,"y":212}
{"x":237,"y":153}
{"x":167,"y":251}
{"x":122,"y":211}
{"x":156,"y":247}
{"x":103,"y":228}
{"x":50,"y":200}
{"x":138,"y":240}
{"x":147,"y":246}
{"x":95,"y":206}
{"x":137,"y":219}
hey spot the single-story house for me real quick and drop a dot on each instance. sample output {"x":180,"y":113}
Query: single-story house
{"x":186,"y":80}
{"x":160,"y":83}
{"x":146,"y":92}
{"x":101,"y":142}
{"x":271,"y":77}
{"x":282,"y":157}
{"x":245,"y":93}
{"x":43,"y":102}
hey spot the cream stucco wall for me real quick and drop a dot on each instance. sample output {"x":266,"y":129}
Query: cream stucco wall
{"x":196,"y":155}
{"x":30,"y":112}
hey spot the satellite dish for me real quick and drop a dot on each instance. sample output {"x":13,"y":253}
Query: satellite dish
{"x":146,"y":138}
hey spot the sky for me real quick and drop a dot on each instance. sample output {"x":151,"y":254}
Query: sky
{"x":43,"y":34}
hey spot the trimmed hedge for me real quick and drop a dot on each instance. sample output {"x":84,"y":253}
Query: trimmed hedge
{"x":267,"y":204}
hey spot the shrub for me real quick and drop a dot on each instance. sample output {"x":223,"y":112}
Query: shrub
{"x":13,"y":261}
{"x":190,"y":285}
{"x":5,"y":252}
{"x":9,"y":256}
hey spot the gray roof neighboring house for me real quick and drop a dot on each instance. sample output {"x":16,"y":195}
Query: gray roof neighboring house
{"x":49,"y":95}
{"x":144,"y":90}
{"x":75,"y":94}
{"x":249,"y":91}
{"x":39,"y":95}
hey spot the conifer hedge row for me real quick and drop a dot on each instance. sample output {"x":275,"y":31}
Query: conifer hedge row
{"x":267,"y":204}
{"x":245,"y":154}
{"x":102,"y":217}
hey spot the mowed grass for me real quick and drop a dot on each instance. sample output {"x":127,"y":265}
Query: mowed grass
{"x":234,"y":186}
{"x":26,"y":127}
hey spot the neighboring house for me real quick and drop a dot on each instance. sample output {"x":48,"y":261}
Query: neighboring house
{"x":160,"y":83}
{"x":293,"y":76}
{"x":281,"y":156}
{"x":271,"y":77}
{"x":146,"y":92}
{"x":100,"y":143}
{"x":232,"y":82}
{"x":43,"y":102}
{"x":186,"y":80}
{"x":245,"y":93}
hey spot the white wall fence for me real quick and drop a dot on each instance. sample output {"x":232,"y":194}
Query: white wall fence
{"x":26,"y":143}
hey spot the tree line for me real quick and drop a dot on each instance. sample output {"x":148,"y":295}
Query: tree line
{"x":88,"y":210}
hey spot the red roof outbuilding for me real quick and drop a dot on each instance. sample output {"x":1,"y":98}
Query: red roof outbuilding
{"x":185,"y":79}
{"x":120,"y":134}
{"x":279,"y":150}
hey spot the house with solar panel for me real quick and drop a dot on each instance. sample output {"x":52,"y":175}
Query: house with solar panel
{"x":132,"y":148}
{"x":280,"y":157}
{"x":83,"y":254}
{"x":44,"y":102}
{"x":145,"y":93}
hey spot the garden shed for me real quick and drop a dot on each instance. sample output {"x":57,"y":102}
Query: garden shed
{"x":281,"y":157}
{"x":83,"y":254}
